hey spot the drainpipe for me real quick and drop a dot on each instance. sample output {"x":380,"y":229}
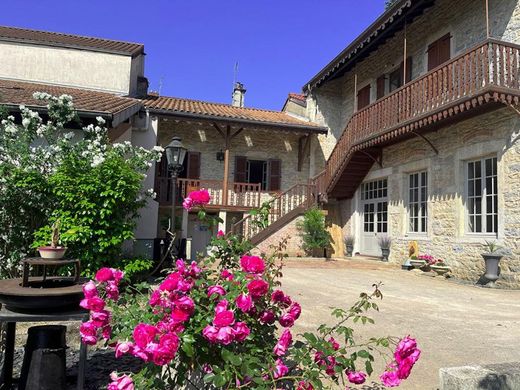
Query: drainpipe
{"x":487,"y":18}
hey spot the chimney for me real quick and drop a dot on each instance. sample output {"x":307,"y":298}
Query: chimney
{"x":238,"y":95}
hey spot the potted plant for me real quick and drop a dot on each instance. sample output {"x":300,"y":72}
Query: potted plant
{"x":54,"y":251}
{"x":417,"y":262}
{"x":440,"y":267}
{"x":315,"y":236}
{"x":385,"y":242}
{"x":492,"y":259}
{"x":349,"y":244}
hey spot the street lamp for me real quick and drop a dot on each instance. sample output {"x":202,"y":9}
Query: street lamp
{"x":175,"y":154}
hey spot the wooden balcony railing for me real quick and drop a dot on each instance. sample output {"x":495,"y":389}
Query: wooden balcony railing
{"x":240,"y":195}
{"x":487,"y":72}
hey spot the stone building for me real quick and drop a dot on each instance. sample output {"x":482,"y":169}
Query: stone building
{"x":423,"y":126}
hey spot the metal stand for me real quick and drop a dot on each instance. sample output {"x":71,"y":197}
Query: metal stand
{"x":11,"y":318}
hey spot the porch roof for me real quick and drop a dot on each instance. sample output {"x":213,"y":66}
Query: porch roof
{"x":228,"y":114}
{"x":385,"y":27}
{"x":88,"y":103}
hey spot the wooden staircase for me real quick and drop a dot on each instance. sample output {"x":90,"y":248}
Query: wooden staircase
{"x":285,"y":207}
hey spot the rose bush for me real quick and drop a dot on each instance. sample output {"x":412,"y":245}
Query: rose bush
{"x":228,"y":324}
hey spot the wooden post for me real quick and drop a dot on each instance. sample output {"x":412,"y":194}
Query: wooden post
{"x":225,"y":183}
{"x":404,"y":55}
{"x":487,"y":18}
{"x":355,"y":92}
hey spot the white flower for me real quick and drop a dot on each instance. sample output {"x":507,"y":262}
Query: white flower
{"x":100,"y":120}
{"x":97,"y":160}
{"x":158,"y":149}
{"x":151,"y":193}
{"x":12,"y":129}
{"x":69,"y":135}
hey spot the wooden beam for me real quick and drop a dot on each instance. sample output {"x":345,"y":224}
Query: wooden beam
{"x":427,"y":141}
{"x":225,"y":183}
{"x":377,"y":159}
{"x":303,"y":146}
{"x":219,"y":130}
{"x":237,"y":132}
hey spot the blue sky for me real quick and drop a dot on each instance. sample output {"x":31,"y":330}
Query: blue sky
{"x":193,"y":45}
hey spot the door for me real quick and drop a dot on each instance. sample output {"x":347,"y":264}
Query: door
{"x":201,"y":234}
{"x":374,"y":210}
{"x":363,"y":97}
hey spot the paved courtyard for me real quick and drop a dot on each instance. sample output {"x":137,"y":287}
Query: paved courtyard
{"x":454,"y":324}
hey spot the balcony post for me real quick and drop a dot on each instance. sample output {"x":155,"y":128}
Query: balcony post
{"x":226,"y":168}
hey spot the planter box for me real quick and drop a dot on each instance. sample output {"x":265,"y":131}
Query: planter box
{"x":440,"y":269}
{"x":418,"y":263}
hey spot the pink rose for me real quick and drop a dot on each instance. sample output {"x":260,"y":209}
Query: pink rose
{"x":390,"y":379}
{"x":104,"y":275}
{"x":194,"y":269}
{"x":258,"y":288}
{"x":277,"y":296}
{"x":219,"y":290}
{"x":200,"y":197}
{"x":123,"y":348}
{"x":285,"y":341}
{"x":88,"y":332}
{"x":225,"y":335}
{"x":144,"y":334}
{"x":244,"y":302}
{"x":334,"y":344}
{"x":405,"y":366}
{"x":100,"y":318}
{"x":286,"y":320}
{"x":252,"y":264}
{"x":112,"y":290}
{"x":221,"y":306}
{"x":280,"y":369}
{"x":405,"y":348}
{"x":106,"y":332}
{"x":179,"y":315}
{"x":187,"y":203}
{"x":210,"y":333}
{"x":117,"y":274}
{"x":356,"y":377}
{"x":267,"y":317}
{"x":220,"y":234}
{"x":225,"y":274}
{"x":162,"y":356}
{"x":331,"y":365}
{"x":241,"y":331}
{"x":94,"y":304}
{"x":90,"y":290}
{"x":123,"y":382}
{"x":224,"y":318}
{"x":185,"y":304}
{"x":302,"y":385}
{"x":295,"y":310}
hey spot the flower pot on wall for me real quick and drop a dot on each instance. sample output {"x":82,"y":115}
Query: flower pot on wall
{"x":52,"y":253}
{"x":492,"y":266}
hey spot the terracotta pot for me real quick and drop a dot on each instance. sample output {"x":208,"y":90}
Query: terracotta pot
{"x":50,"y":253}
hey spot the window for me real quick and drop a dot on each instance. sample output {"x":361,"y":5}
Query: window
{"x":266,"y":173}
{"x":395,"y":79}
{"x":482,"y":198}
{"x":257,"y":172}
{"x":374,"y":189}
{"x":375,"y":208}
{"x":417,"y":202}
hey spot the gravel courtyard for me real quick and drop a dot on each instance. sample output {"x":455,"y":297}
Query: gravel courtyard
{"x":454,"y":324}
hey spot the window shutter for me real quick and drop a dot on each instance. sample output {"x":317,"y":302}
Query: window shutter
{"x":240,"y":169}
{"x":444,"y":49}
{"x":275,"y":175}
{"x":380,"y":86}
{"x":433,"y":56}
{"x":193,"y":165}
{"x":363,"y":97}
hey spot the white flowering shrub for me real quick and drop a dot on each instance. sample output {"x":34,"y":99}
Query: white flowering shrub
{"x":94,"y":187}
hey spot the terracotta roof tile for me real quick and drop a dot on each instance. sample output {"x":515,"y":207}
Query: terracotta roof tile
{"x":297,"y":96}
{"x":14,"y":93}
{"x":208,"y":110}
{"x":37,"y":37}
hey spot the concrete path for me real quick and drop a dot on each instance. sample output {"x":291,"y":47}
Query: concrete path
{"x":454,"y":324}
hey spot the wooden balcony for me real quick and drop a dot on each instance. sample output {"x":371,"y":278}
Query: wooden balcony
{"x":483,"y":78}
{"x":241,"y":196}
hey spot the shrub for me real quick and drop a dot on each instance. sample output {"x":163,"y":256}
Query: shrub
{"x":215,"y":325}
{"x":313,"y":230}
{"x":94,"y":188}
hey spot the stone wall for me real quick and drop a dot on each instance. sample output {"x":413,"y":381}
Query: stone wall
{"x":492,"y":134}
{"x":332,"y":104}
{"x":289,"y":231}
{"x":254,"y":144}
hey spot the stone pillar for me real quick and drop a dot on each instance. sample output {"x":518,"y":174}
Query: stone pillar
{"x":184,"y":226}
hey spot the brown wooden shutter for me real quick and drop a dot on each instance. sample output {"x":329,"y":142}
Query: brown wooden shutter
{"x":363,"y":97}
{"x":439,"y":52}
{"x":193,"y":167}
{"x":240,"y":169}
{"x":381,"y":86}
{"x":275,"y":175}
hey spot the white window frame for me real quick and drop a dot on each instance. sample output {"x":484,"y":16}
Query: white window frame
{"x":483,"y":195}
{"x":421,"y":183}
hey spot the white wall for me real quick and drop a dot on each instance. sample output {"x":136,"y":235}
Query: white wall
{"x":69,"y":67}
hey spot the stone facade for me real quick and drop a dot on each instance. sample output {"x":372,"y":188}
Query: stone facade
{"x":291,"y":233}
{"x":332,"y":104}
{"x":447,"y":237}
